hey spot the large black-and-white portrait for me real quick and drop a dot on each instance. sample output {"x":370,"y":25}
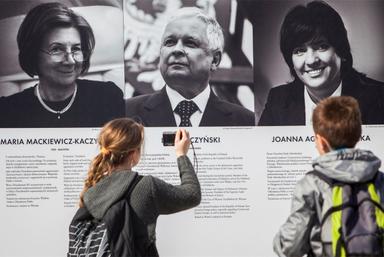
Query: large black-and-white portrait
{"x":182,"y":69}
{"x":61,"y":63}
{"x":306,"y":51}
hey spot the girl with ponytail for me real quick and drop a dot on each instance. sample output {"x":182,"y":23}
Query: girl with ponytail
{"x":110,"y":179}
{"x":120,"y":143}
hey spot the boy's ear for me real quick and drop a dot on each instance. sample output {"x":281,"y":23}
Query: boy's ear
{"x":216,"y":60}
{"x":322,"y":144}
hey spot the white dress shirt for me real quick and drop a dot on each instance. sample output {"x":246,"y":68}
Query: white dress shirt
{"x":310,"y":104}
{"x":200,"y":100}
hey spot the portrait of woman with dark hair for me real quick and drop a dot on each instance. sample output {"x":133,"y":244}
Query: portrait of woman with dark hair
{"x":315,"y":46}
{"x":56,"y":44}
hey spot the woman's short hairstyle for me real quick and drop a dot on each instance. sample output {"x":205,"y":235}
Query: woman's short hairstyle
{"x":41,"y":20}
{"x":338,"y":119}
{"x":314,"y":21}
{"x":215,"y":33}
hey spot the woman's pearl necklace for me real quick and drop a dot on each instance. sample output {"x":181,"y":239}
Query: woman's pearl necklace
{"x":66,"y":108}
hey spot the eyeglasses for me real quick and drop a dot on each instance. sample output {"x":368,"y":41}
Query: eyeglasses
{"x":59,"y":55}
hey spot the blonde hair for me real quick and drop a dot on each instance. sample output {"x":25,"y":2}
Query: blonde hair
{"x":118,"y":139}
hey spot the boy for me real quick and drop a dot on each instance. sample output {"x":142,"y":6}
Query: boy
{"x":337,"y":128}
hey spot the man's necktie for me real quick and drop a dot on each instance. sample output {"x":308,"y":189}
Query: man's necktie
{"x":185,"y":109}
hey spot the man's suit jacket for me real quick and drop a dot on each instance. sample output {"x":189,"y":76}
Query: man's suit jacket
{"x":154,"y":110}
{"x":285,"y":105}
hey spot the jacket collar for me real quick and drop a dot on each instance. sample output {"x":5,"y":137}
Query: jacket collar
{"x":348,"y":165}
{"x":158,"y":110}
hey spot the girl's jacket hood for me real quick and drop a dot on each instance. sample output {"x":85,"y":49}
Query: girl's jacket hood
{"x":348,"y":165}
{"x":107,"y":191}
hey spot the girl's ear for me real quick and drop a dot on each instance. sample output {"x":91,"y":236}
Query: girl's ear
{"x":136,"y":155}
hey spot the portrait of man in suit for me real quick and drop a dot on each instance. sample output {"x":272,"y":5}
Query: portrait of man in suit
{"x":190,"y":51}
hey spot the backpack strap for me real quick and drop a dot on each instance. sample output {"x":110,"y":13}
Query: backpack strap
{"x":133,"y":185}
{"x":334,"y":209}
{"x":119,"y":220}
{"x":323,"y":177}
{"x":374,"y":202}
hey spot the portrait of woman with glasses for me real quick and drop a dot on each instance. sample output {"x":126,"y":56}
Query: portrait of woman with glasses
{"x":56,"y":44}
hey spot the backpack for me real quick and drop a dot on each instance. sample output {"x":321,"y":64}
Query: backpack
{"x":354,"y":225}
{"x":89,"y":237}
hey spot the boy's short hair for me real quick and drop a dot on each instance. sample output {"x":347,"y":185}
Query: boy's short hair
{"x":338,"y":119}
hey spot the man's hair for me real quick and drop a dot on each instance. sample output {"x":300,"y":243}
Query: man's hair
{"x":338,"y":120}
{"x":214,"y":31}
{"x":314,"y":21}
{"x":39,"y":22}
